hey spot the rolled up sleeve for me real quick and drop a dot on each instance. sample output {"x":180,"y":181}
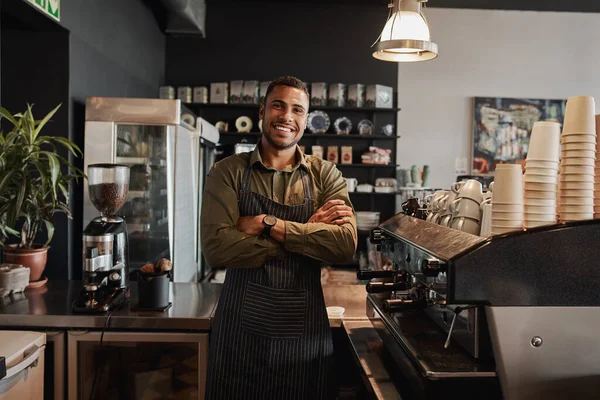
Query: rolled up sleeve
{"x":222,"y":244}
{"x":333,"y":244}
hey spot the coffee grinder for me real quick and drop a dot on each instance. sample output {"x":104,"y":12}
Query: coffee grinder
{"x":105,"y":242}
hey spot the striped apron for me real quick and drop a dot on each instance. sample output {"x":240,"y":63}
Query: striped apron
{"x":270,"y":337}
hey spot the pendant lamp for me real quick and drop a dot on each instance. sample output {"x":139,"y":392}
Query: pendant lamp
{"x":405,"y":36}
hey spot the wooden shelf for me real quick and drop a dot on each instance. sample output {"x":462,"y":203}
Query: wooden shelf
{"x":330,"y":108}
{"x":318,"y":136}
{"x":367,"y":165}
{"x":373,"y":194}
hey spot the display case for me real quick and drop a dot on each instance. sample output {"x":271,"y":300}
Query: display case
{"x":163,"y":154}
{"x":137,"y":365}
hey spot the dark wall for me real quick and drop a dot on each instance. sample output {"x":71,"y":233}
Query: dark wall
{"x":117,"y":50}
{"x":316,"y":43}
{"x":112,"y":48}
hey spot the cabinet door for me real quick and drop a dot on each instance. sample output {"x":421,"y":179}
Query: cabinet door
{"x":137,"y":365}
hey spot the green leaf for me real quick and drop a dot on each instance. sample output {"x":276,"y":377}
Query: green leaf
{"x":4,"y":113}
{"x":45,"y":120}
{"x":50,"y":230}
{"x":54,"y":169}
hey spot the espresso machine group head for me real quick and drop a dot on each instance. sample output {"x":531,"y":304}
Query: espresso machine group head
{"x":105,"y":260}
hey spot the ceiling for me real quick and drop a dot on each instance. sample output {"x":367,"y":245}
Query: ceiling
{"x":592,"y":6}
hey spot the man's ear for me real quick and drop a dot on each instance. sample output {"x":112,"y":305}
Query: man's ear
{"x":261,"y":112}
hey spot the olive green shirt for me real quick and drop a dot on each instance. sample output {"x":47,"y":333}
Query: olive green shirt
{"x":224,"y":245}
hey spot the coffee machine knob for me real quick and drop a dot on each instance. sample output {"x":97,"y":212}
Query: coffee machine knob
{"x":115,"y":276}
{"x":91,"y":287}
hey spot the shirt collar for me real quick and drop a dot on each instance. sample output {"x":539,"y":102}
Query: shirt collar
{"x":255,"y":157}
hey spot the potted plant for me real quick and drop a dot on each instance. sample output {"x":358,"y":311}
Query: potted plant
{"x":34,"y":186}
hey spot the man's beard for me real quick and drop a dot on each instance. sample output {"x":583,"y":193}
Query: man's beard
{"x":279,"y":146}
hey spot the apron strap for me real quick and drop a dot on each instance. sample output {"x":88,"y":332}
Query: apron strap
{"x":308,"y":193}
{"x":246,"y":179}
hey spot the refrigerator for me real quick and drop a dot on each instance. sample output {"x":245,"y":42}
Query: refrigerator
{"x":165,"y":153}
{"x":22,"y":365}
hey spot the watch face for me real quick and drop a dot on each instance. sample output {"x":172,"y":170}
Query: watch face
{"x":270,"y":220}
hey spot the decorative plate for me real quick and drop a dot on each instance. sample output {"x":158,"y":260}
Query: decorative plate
{"x":365,"y":127}
{"x":318,"y":122}
{"x":343,"y":126}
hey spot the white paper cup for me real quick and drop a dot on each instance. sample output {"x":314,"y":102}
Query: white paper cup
{"x":540,"y":179}
{"x":509,"y":208}
{"x":547,"y":187}
{"x":574,"y":169}
{"x":508,"y":184}
{"x":538,"y":194}
{"x":541,"y":164}
{"x":541,"y":217}
{"x":566,"y":177}
{"x":529,"y":209}
{"x":540,"y":202}
{"x":578,"y":154}
{"x":545,"y":141}
{"x":515,"y":224}
{"x":578,"y":146}
{"x":507,"y":216}
{"x":335,"y":312}
{"x":580,"y":115}
{"x":541,"y":171}
{"x":576,"y":209}
{"x":578,"y":186}
{"x":588,"y":194}
{"x":582,"y":162}
{"x":579,"y":138}
{"x":575,"y":201}
{"x":535,"y":224}
{"x":569,"y":216}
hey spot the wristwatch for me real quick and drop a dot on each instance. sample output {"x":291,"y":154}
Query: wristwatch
{"x":269,"y":221}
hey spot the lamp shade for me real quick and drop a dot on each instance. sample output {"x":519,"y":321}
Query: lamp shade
{"x":405,"y":36}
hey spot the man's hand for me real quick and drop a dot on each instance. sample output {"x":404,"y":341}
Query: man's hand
{"x":251,"y":225}
{"x":334,"y":212}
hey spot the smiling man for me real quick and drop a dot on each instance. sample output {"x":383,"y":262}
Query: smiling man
{"x":273,"y":216}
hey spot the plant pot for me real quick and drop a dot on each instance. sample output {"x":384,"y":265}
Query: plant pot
{"x":34,"y":258}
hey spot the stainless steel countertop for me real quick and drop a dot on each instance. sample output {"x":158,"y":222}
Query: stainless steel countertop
{"x":50,"y":307}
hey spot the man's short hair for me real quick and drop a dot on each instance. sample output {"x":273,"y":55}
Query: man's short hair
{"x":287,"y":81}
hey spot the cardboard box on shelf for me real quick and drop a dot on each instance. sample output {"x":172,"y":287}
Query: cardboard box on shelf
{"x":356,"y":95}
{"x":184,"y":93}
{"x":219,"y":93}
{"x":200,"y":95}
{"x":332,"y":154}
{"x":379,"y":96}
{"x":317,"y":151}
{"x":318,"y":94}
{"x":250,"y":93}
{"x":235,"y":92}
{"x":346,"y":155}
{"x":337,"y":95}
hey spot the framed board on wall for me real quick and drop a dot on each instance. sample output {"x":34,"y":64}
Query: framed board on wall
{"x":502,"y":128}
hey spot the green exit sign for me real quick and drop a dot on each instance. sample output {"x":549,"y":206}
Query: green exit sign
{"x":50,"y":7}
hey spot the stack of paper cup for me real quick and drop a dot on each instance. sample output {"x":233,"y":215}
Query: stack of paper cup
{"x":597,"y":172}
{"x":578,"y":140}
{"x":540,"y":183}
{"x":507,"y":199}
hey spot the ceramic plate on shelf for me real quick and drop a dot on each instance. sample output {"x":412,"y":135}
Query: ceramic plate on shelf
{"x":318,"y":122}
{"x":342,"y":126}
{"x":365,"y":127}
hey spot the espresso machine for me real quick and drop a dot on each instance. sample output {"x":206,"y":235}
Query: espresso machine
{"x":513,"y":316}
{"x":105,"y":242}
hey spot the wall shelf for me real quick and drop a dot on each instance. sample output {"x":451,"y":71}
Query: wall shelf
{"x":330,"y":108}
{"x":308,"y":135}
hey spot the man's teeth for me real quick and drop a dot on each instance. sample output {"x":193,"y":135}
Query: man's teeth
{"x":281,"y":128}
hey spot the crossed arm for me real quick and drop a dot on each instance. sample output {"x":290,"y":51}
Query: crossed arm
{"x":233,"y":241}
